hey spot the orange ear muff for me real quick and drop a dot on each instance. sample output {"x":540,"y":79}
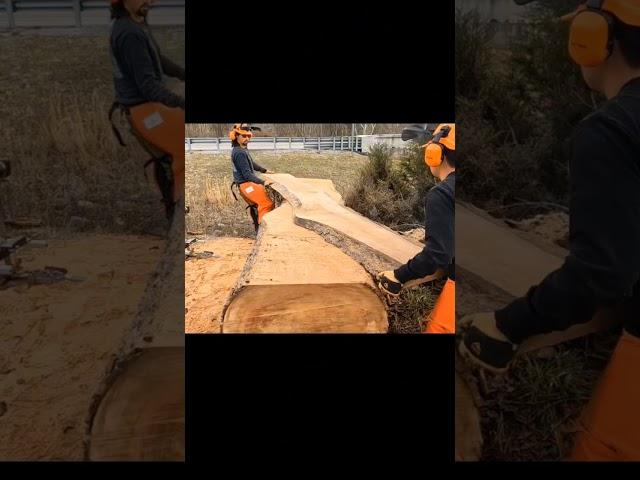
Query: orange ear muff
{"x":590,"y":37}
{"x":433,"y":154}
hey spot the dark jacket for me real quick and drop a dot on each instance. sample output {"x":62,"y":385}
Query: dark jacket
{"x":603,"y":265}
{"x":244,"y":167}
{"x":439,"y":250}
{"x":138,"y":66}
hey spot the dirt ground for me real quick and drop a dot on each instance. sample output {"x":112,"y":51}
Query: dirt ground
{"x":57,"y":340}
{"x":208,"y":281}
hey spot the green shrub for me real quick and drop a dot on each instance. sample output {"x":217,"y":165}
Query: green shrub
{"x":392,"y":190}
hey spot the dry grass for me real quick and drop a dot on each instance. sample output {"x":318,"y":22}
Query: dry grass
{"x":212,"y":208}
{"x":66,"y":161}
{"x":530,"y":413}
{"x":216,"y":194}
{"x":407,"y":315}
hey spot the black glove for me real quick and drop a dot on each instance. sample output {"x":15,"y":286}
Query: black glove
{"x":388,"y":283}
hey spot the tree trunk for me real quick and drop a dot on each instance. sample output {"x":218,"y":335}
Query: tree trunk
{"x":296,"y":282}
{"x":138,"y":410}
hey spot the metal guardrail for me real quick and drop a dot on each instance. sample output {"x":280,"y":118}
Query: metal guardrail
{"x":12,"y":7}
{"x":346,"y":143}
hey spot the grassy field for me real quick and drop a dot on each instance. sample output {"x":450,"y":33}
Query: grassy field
{"x":212,"y":208}
{"x":56,"y":92}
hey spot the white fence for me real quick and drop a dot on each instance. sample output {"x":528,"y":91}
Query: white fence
{"x":70,"y":13}
{"x":359,"y":143}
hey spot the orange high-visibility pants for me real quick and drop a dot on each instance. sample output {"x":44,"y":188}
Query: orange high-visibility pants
{"x":163,"y":128}
{"x":442,"y":319}
{"x":256,"y":194}
{"x":611,"y":421}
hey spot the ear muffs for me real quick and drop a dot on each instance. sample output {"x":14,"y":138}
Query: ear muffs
{"x":433,"y":154}
{"x":591,"y":36}
{"x":238,"y":130}
{"x":434,"y":151}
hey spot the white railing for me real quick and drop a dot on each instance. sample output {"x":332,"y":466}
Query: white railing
{"x":359,"y":143}
{"x":345,"y":143}
{"x":41,"y":13}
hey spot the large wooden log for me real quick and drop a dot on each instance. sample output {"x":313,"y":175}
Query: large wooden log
{"x":318,"y":207}
{"x":313,"y":264}
{"x":138,"y":410}
{"x":294,"y":281}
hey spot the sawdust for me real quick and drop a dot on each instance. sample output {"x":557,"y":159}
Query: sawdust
{"x":209,"y":281}
{"x":551,"y":227}
{"x":56,"y":341}
{"x":418,"y":234}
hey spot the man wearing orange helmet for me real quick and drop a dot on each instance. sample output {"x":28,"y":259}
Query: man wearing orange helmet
{"x":251,"y":186}
{"x":603,"y":265}
{"x":439,"y":250}
{"x":154,"y":113}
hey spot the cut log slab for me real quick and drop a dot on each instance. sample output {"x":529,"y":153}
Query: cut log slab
{"x":319,"y":207}
{"x":500,"y":256}
{"x":294,"y":281}
{"x":138,"y":409}
{"x":326,"y":186}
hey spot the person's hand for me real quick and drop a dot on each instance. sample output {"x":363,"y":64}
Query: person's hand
{"x":484,"y":344}
{"x":388,"y":283}
{"x":268,"y":182}
{"x":269,"y":171}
